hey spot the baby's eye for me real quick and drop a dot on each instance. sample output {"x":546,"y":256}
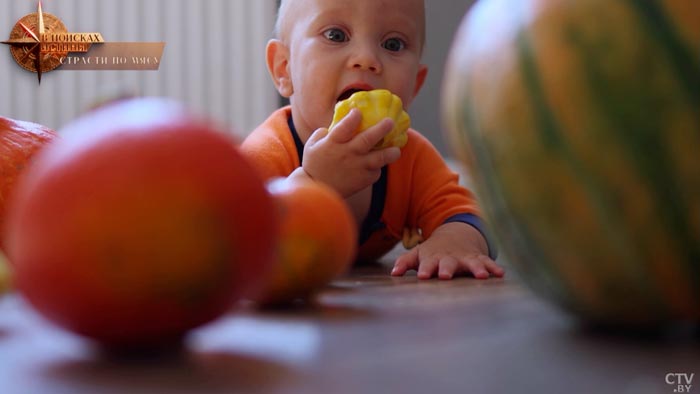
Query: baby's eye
{"x":394,"y":44}
{"x":335,"y":35}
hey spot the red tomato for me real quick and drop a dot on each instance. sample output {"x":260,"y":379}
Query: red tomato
{"x":140,"y":224}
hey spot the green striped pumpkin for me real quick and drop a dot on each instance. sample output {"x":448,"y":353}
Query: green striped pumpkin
{"x":580,"y":123}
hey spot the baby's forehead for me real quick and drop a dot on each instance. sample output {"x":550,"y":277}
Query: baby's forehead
{"x":292,"y":11}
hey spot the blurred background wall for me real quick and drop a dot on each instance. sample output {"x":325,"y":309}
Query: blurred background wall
{"x":443,"y":18}
{"x":213,"y":59}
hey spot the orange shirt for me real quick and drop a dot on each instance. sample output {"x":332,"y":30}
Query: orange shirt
{"x":421,"y":192}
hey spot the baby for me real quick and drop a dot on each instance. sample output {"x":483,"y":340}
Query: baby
{"x":324,"y":51}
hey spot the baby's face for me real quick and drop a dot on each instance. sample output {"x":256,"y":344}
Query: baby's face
{"x":337,"y":47}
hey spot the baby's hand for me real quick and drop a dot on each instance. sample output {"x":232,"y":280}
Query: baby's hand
{"x":346,"y":161}
{"x":453,"y":248}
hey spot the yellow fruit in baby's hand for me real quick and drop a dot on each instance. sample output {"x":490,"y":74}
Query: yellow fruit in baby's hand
{"x":376,"y":105}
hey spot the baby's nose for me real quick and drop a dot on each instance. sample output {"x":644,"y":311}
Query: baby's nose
{"x":371,"y":67}
{"x":365,"y":58}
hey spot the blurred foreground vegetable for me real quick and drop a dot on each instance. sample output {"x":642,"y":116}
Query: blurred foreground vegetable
{"x":580,"y":121}
{"x":140,"y":224}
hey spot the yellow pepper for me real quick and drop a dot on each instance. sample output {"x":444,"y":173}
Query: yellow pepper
{"x":376,"y":105}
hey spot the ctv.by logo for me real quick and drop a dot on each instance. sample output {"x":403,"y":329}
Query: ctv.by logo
{"x":683,"y":382}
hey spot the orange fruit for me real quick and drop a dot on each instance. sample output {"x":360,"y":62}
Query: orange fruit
{"x":19,"y":142}
{"x":318,"y":240}
{"x":140,"y":224}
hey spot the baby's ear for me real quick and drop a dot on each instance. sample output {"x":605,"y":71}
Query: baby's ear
{"x":278,"y":66}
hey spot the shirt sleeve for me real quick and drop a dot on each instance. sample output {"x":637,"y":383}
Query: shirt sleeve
{"x":424,"y":192}
{"x":435,"y":192}
{"x":270,"y":147}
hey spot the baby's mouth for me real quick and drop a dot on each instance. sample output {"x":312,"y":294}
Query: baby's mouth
{"x":346,"y":94}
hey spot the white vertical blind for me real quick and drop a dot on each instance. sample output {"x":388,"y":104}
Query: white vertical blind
{"x":213,"y":60}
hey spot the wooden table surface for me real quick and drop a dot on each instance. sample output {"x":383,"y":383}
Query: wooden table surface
{"x":367,"y":333}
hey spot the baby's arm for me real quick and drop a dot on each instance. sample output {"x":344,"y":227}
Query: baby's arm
{"x":453,"y":248}
{"x":346,"y":161}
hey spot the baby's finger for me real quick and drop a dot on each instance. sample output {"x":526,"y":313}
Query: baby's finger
{"x":448,"y":267}
{"x":316,"y":136}
{"x":366,"y":140}
{"x":427,"y":268}
{"x":344,"y":130}
{"x":379,"y":158}
{"x":491,"y":266}
{"x":405,"y":262}
{"x":477,"y":267}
